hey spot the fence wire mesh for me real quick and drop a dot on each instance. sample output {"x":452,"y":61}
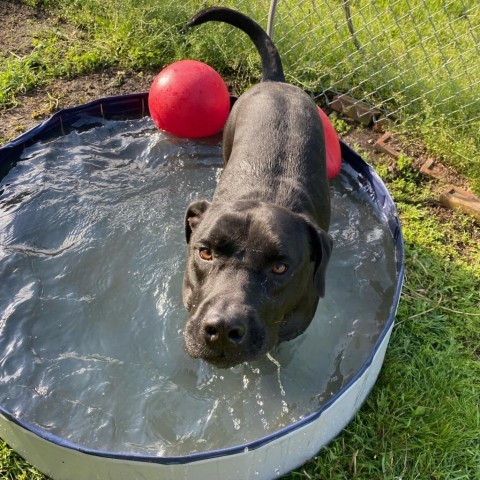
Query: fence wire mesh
{"x":405,"y":58}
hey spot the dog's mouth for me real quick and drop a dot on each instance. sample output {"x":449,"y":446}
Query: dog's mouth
{"x":222,"y":360}
{"x":216,"y":357}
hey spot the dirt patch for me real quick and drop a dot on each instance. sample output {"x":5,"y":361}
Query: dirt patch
{"x":21,"y":26}
{"x":38,"y":105}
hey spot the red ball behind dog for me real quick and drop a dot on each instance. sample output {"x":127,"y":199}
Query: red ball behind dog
{"x":334,"y":154}
{"x":189,"y":99}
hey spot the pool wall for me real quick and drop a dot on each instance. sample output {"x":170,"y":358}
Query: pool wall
{"x":265,"y":458}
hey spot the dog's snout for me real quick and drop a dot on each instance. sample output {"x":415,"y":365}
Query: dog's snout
{"x":221,"y":331}
{"x":225,"y":334}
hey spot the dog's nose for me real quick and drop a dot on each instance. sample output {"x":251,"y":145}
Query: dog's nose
{"x":219,"y":331}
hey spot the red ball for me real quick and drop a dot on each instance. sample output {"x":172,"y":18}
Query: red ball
{"x":332,"y":143}
{"x":189,"y":99}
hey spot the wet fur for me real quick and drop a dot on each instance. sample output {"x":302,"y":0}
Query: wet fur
{"x":271,"y":206}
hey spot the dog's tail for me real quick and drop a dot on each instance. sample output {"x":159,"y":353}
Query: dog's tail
{"x":271,"y":64}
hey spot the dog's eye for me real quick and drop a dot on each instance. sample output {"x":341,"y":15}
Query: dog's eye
{"x":279,"y":268}
{"x":205,"y":254}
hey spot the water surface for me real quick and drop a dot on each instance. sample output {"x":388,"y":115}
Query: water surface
{"x":92,"y":254}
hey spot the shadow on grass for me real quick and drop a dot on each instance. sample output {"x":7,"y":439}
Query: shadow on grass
{"x":421,"y":420}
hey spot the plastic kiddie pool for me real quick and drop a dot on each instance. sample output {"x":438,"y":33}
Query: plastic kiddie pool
{"x":266,"y":457}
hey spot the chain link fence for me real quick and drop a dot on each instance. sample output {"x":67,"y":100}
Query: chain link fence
{"x":404,"y":59}
{"x":401,"y":57}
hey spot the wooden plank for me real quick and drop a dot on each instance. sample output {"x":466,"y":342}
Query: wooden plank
{"x":382,"y":146}
{"x":356,"y":109}
{"x":455,"y":197}
{"x":431,"y":169}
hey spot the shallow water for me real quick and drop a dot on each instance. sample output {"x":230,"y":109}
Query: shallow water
{"x":91,"y":264}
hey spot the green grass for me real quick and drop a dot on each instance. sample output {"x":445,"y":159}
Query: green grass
{"x":422,"y":419}
{"x":13,"y":467}
{"x":98,"y":35}
{"x":418,"y":60}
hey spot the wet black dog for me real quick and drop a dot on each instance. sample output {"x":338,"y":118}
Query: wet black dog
{"x":259,"y":251}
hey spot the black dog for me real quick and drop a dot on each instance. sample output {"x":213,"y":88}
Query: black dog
{"x":258,"y":253}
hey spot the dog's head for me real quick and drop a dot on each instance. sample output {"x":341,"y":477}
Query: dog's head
{"x":254,"y":274}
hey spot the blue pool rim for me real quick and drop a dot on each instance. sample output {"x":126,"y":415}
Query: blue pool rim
{"x":135,"y":106}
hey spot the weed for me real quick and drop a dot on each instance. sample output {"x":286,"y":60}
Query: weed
{"x":341,"y":127}
{"x":13,"y":467}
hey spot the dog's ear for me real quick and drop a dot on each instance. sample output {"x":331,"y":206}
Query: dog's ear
{"x":194,"y":215}
{"x":321,"y":244}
